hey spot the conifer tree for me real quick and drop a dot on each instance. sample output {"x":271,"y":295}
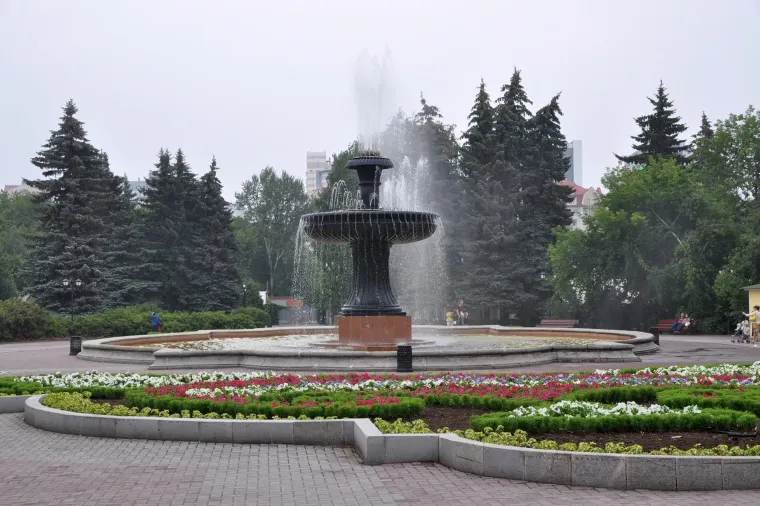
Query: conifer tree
{"x":163,"y":256}
{"x":477,"y":150}
{"x":72,"y":194}
{"x":511,"y":129}
{"x":494,"y":261}
{"x":215,"y":280}
{"x":543,"y":205}
{"x":705,"y":129}
{"x":123,"y":281}
{"x":660,"y":133}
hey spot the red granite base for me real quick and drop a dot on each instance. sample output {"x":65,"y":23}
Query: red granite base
{"x":374,"y":331}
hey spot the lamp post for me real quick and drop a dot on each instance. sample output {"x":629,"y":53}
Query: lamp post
{"x":245,"y":295}
{"x":75,"y":342}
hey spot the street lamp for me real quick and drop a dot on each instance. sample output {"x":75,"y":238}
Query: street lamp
{"x":75,"y":342}
{"x":245,"y":295}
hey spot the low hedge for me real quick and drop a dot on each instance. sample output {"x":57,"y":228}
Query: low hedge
{"x":709,"y":419}
{"x":477,"y":401}
{"x":310,"y":404}
{"x":744,"y":399}
{"x":8,"y":386}
{"x":613,"y":395}
{"x":128,"y":321}
{"x":25,"y":320}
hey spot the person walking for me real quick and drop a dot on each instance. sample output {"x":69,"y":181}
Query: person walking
{"x":155,"y":321}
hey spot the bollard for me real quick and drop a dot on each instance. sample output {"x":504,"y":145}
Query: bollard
{"x":75,"y":345}
{"x":404,"y":358}
{"x":656,"y":333}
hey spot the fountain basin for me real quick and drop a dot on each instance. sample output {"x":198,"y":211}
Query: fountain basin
{"x":440,"y":349}
{"x":392,"y":227}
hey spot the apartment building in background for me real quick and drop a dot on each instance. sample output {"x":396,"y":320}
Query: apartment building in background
{"x":574,"y":153}
{"x":317,"y":170}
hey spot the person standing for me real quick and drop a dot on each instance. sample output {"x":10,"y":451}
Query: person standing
{"x":754,"y":319}
{"x":460,"y":312}
{"x":155,"y":321}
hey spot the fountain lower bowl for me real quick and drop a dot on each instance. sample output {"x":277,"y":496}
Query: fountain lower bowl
{"x":436,"y":348}
{"x":394,"y":227}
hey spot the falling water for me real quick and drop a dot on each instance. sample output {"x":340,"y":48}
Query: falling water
{"x":418,"y":270}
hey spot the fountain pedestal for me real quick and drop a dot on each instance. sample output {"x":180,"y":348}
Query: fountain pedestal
{"x":374,"y":331}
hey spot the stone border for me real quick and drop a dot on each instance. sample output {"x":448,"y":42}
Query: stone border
{"x":613,"y":346}
{"x":602,"y":470}
{"x":13,"y":403}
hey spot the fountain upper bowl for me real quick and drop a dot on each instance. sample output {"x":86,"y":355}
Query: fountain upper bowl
{"x":352,"y":225}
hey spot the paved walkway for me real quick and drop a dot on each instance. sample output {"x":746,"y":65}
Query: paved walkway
{"x":44,"y":468}
{"x":51,"y":356}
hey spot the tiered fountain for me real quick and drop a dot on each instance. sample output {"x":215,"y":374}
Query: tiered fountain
{"x":371,"y":319}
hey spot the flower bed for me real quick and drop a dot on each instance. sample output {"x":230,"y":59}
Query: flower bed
{"x":544,"y":386}
{"x":573,"y":408}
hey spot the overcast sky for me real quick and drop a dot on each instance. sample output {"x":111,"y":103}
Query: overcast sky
{"x":259,"y":83}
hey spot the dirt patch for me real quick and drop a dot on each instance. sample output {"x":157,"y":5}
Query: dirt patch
{"x":654,"y":440}
{"x":455,"y":418}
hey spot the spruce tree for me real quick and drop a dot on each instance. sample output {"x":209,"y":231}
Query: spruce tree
{"x":164,"y":221}
{"x":215,"y":281}
{"x":660,"y":132}
{"x":477,"y":150}
{"x":123,"y":281}
{"x":72,"y":197}
{"x":705,"y":129}
{"x":494,"y":261}
{"x":543,"y":205}
{"x":511,"y":129}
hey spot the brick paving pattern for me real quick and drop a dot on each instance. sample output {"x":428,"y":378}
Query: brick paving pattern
{"x":44,"y":468}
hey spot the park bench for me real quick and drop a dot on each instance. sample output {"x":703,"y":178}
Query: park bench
{"x":558,"y":323}
{"x":665,"y":324}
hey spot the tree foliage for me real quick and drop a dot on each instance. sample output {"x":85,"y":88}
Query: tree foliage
{"x":74,"y":195}
{"x":660,"y":132}
{"x":271,"y":205}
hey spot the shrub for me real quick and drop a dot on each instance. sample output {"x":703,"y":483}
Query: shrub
{"x":709,"y":419}
{"x":135,"y":320}
{"x":23,"y":320}
{"x":273,"y":310}
{"x":613,"y":395}
{"x":293,"y":403}
{"x":740,"y":399}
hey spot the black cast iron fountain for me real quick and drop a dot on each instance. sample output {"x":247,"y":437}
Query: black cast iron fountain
{"x":370,"y":231}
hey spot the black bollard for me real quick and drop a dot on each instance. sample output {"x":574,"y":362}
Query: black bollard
{"x":404,"y":358}
{"x":75,"y":345}
{"x":656,"y":333}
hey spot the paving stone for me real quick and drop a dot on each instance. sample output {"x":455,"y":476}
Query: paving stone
{"x":46,"y":469}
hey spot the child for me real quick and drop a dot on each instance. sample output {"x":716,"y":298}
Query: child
{"x":450,"y":318}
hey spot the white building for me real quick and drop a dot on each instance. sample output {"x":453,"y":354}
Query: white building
{"x":317,"y":170}
{"x":15,"y":189}
{"x":574,"y":153}
{"x":583,"y":203}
